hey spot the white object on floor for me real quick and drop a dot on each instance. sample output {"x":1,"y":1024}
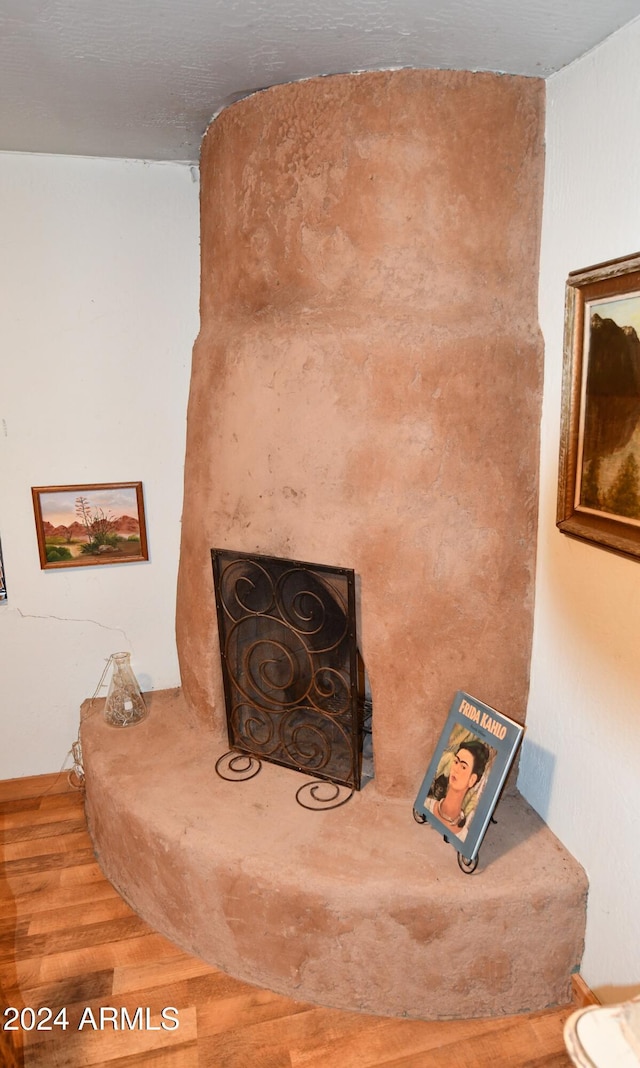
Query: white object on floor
{"x":603,"y":1036}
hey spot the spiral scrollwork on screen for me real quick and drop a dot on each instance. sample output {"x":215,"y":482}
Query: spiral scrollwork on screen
{"x":314,"y":608}
{"x":268,"y":662}
{"x":246,"y":588}
{"x":330,"y":691}
{"x":313,"y":740}
{"x":257,"y":727}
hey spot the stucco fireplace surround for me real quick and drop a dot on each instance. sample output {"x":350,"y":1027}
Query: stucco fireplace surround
{"x":366,"y":392}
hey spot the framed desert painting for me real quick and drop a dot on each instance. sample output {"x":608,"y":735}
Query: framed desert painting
{"x":599,"y":470}
{"x":86,"y":525}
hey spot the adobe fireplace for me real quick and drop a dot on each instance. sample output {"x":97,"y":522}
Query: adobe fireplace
{"x":366,"y":385}
{"x":366,"y":390}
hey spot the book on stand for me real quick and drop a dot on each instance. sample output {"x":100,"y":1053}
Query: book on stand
{"x":467,"y":772}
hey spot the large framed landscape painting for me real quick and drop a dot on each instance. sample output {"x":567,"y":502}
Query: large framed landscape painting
{"x":78,"y":526}
{"x":599,"y":470}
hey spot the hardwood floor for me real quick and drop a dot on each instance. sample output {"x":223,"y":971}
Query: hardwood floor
{"x":67,"y":940}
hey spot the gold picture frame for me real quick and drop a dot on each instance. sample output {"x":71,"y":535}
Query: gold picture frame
{"x":90,"y":524}
{"x":599,"y":467}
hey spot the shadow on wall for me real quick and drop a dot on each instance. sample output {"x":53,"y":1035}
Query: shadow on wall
{"x":590,"y":591}
{"x":540,"y":768}
{"x":613,"y":995}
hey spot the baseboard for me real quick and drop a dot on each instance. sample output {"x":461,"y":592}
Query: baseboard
{"x":583,"y":995}
{"x":31,"y":786}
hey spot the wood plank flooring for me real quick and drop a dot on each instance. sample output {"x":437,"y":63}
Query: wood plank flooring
{"x":67,"y":940}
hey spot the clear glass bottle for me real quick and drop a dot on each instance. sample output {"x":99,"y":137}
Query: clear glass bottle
{"x":124,"y":705}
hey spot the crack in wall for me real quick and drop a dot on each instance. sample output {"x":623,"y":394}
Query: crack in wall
{"x":68,"y":619}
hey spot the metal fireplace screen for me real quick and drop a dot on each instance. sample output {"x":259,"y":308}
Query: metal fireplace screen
{"x":293,"y":677}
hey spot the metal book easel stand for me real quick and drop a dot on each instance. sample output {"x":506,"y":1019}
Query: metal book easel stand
{"x":467,"y":866}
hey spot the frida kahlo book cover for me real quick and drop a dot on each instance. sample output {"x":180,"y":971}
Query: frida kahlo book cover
{"x":466,"y":774}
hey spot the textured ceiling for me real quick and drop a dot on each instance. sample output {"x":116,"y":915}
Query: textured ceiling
{"x":142,"y":78}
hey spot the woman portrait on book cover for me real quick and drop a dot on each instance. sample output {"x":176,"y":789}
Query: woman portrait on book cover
{"x":460,"y":778}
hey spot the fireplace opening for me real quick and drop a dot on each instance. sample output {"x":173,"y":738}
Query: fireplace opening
{"x":294,"y":679}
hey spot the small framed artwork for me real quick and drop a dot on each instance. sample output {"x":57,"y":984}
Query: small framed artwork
{"x":466,"y":774}
{"x":80,"y":526}
{"x":599,"y":469}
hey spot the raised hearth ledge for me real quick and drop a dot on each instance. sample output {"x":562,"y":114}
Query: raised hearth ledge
{"x":358,"y":908}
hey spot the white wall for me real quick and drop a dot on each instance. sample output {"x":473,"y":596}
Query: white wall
{"x":581,"y":760}
{"x":99,"y":268}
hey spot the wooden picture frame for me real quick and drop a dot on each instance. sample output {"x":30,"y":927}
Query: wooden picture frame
{"x":599,"y":467}
{"x":90,"y":524}
{"x":3,"y":584}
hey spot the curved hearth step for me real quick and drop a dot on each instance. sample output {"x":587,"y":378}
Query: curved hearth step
{"x":358,"y":908}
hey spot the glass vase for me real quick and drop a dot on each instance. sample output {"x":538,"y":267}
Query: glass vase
{"x":124,"y":705}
